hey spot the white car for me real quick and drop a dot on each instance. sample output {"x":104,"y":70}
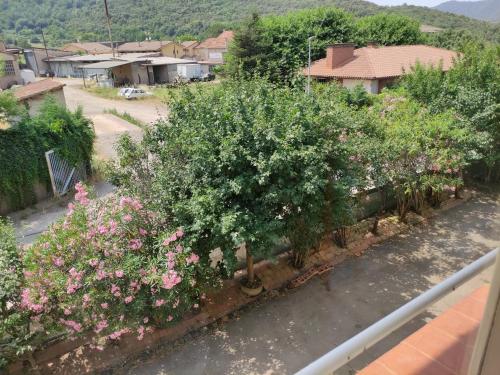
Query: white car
{"x":132,"y":93}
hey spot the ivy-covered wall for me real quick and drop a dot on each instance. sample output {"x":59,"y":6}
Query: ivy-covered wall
{"x":24,"y":176}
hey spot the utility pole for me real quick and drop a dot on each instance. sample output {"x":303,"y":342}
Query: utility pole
{"x":46,"y":52}
{"x":109,"y":27}
{"x":308,"y":88}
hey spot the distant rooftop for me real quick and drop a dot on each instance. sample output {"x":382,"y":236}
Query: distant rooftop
{"x":146,"y":46}
{"x":88,"y":47}
{"x":37,"y":88}
{"x":220,"y":42}
{"x":378,"y":62}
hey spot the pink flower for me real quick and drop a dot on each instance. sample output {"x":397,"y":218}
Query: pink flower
{"x":135,"y":244}
{"x":129,"y":299}
{"x":93,"y":262}
{"x":71,"y":288}
{"x":170,"y":318}
{"x":159,"y":302}
{"x":127,"y":218}
{"x":178,"y":248}
{"x":77,"y":327}
{"x":143,"y":232}
{"x":101,"y":274}
{"x":140,"y":331}
{"x":101,"y":325}
{"x":193,"y":258}
{"x":67,"y":312}
{"x":115,"y":290}
{"x":179,"y":233}
{"x":58,"y":262}
{"x":170,"y":279}
{"x":102,"y":229}
{"x":119,"y":273}
{"x":104,"y":305}
{"x":81,"y":194}
{"x":113,"y":225}
{"x":145,"y":320}
{"x":71,"y":209}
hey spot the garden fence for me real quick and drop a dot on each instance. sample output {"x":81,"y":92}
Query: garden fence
{"x":62,"y":174}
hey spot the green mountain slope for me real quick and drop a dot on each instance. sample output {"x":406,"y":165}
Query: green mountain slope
{"x":69,"y":20}
{"x":487,"y":10}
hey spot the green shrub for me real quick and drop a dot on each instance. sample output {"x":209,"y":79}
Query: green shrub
{"x":23,"y":147}
{"x":14,"y":326}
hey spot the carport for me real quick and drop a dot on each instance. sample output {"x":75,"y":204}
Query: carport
{"x":117,"y":71}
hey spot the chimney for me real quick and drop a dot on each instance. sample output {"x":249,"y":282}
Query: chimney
{"x":336,"y":54}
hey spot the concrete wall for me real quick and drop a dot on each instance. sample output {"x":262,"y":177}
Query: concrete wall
{"x":6,"y":81}
{"x":35,"y":56}
{"x":40,"y":192}
{"x":33,"y":104}
{"x":371,"y":86}
{"x":204,"y":54}
{"x":172,"y":50}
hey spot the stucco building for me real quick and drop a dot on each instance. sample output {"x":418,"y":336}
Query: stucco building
{"x":33,"y":94}
{"x":214,"y":49}
{"x":375,"y":67}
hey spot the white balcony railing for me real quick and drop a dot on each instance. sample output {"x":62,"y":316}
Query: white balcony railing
{"x":358,"y":344}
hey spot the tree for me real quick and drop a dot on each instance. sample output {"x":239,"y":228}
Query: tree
{"x":248,"y":49}
{"x":470,"y":89}
{"x":388,"y":29}
{"x":244,"y":164}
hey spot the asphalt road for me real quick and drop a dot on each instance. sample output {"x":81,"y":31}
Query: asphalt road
{"x":287,"y":332}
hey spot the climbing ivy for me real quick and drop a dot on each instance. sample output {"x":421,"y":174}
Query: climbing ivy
{"x":24,"y":143}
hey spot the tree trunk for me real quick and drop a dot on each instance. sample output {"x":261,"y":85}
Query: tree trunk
{"x":250,"y":269}
{"x":375,"y":224}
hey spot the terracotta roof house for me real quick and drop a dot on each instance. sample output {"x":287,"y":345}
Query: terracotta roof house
{"x":189,"y":46}
{"x":165,"y":47}
{"x":92,"y":48}
{"x":213,"y":49}
{"x":375,"y":67}
{"x":33,"y":94}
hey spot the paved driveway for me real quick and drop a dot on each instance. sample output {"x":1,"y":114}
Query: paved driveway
{"x":145,"y":110}
{"x":108,"y":127}
{"x":289,"y":331}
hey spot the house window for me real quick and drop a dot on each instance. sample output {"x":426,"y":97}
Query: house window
{"x":7,"y":68}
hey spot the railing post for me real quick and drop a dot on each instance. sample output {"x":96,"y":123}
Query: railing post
{"x":485,"y":357}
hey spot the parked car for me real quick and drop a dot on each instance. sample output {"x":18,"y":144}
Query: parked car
{"x":132,"y":93}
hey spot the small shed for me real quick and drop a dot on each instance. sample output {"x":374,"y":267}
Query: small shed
{"x":164,"y":69}
{"x":122,"y":72}
{"x":33,"y":94}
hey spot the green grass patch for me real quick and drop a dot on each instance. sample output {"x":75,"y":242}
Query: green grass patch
{"x":126,"y":116}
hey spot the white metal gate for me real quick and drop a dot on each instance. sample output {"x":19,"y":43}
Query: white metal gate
{"x":63,"y":175}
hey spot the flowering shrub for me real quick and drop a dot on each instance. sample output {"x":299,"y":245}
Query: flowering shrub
{"x":104,"y":268}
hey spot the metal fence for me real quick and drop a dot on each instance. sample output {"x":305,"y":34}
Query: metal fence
{"x":63,"y":175}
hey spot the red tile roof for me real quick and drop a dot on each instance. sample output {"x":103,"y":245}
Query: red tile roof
{"x":220,"y":42}
{"x":37,"y":88}
{"x":383,"y":62}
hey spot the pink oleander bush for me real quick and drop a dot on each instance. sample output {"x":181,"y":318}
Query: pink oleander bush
{"x":105,"y":268}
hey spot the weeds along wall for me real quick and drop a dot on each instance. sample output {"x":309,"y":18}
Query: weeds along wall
{"x":24,"y":170}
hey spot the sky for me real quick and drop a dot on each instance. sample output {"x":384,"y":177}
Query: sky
{"x":428,"y":3}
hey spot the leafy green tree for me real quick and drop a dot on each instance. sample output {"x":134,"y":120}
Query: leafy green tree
{"x":248,"y":49}
{"x":247,"y":163}
{"x":470,"y":89}
{"x":388,"y":29}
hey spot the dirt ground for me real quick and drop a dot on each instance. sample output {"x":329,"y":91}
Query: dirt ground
{"x":296,"y":327}
{"x":108,"y":127}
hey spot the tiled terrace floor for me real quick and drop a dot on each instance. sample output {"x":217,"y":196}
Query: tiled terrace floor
{"x":441,"y":347}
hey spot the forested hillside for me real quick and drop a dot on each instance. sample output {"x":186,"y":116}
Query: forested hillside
{"x":488,"y":10}
{"x":69,"y":20}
